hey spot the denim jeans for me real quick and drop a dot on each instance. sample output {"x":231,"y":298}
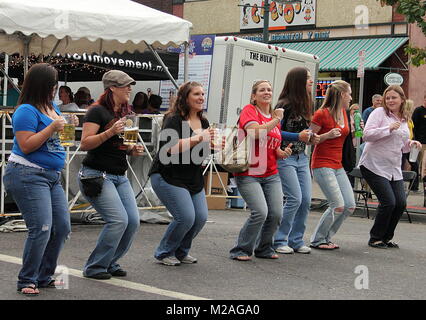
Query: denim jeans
{"x":297,"y":188}
{"x":117,"y":206}
{"x":264,"y":197}
{"x":392,"y":203}
{"x":338,"y":190}
{"x":189,"y":213}
{"x":41,"y":200}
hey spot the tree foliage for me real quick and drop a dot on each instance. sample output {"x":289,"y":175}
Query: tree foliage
{"x":414,"y":11}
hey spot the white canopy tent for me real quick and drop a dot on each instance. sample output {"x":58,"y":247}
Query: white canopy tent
{"x":48,"y":27}
{"x":61,"y":26}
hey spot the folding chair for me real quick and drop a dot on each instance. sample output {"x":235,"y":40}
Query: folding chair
{"x":362,"y":193}
{"x":408,"y":176}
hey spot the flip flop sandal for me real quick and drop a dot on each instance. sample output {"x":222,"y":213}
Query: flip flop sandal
{"x":323,"y":246}
{"x":29,"y":290}
{"x":392,"y":244}
{"x":242,"y":258}
{"x":54,"y":284}
{"x":378,"y":244}
{"x":272,"y":256}
{"x":334,"y":245}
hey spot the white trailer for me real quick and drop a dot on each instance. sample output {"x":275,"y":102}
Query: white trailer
{"x":237,"y":63}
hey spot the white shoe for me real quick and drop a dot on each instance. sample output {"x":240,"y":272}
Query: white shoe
{"x":284,"y":250}
{"x":303,"y":249}
{"x":189,"y":259}
{"x":170,"y":261}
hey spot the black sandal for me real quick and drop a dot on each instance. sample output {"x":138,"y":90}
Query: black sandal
{"x":392,"y":244}
{"x":29,"y":290}
{"x":54,"y":284}
{"x":378,"y":244}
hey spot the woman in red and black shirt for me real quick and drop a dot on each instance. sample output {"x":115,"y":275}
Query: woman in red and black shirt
{"x":260,"y":185}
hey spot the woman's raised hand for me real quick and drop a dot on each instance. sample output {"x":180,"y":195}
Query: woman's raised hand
{"x":118,"y":126}
{"x":394,"y":126}
{"x":283,"y":154}
{"x":334,"y":133}
{"x":278,"y":113}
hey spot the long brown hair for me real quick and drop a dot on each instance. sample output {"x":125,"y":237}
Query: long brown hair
{"x":333,"y":97}
{"x":106,"y":99}
{"x":404,"y":109}
{"x":181,"y":106}
{"x":294,"y":93}
{"x":38,"y":87}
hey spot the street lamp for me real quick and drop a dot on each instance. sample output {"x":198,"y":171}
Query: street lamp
{"x":266,"y":7}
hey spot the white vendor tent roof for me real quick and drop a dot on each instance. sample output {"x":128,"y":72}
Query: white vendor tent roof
{"x":63,"y":26}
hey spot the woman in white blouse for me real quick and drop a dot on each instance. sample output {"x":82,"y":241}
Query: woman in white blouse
{"x":386,"y":134}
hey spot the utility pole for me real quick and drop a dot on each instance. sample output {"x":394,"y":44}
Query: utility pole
{"x":267,"y":8}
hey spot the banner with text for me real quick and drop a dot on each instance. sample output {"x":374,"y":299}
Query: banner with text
{"x":281,"y":14}
{"x":199,"y":66}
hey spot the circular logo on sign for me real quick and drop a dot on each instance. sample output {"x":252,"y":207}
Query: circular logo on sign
{"x":393,"y":79}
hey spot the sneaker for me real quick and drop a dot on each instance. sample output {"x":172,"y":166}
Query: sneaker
{"x":189,"y":259}
{"x":119,"y":273}
{"x":170,"y":261}
{"x":99,"y":276}
{"x":303,"y":249}
{"x":284,"y":250}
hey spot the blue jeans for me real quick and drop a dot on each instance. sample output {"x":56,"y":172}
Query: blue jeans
{"x":117,"y":206}
{"x":189,"y":213}
{"x":297,"y":186}
{"x":41,"y":200}
{"x":338,"y":190}
{"x":265,"y":199}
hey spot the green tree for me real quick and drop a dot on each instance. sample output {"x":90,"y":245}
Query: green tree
{"x":414,"y":11}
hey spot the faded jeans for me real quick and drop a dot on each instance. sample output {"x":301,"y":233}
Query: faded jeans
{"x":41,"y":200}
{"x":117,"y":206}
{"x":297,"y":185}
{"x":189,"y":213}
{"x":336,"y":187}
{"x":264,"y":197}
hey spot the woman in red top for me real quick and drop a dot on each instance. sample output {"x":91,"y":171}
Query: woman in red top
{"x":331,"y":123}
{"x":260,"y":185}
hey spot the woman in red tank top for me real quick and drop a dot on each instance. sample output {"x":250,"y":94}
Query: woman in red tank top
{"x":331,"y":123}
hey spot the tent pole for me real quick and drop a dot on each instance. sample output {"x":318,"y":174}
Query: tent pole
{"x":166,"y":70}
{"x":186,"y":62}
{"x":6,"y":70}
{"x":10,"y":79}
{"x":26,"y":54}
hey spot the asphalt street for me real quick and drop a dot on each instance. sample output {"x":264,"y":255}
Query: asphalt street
{"x":355,"y":271}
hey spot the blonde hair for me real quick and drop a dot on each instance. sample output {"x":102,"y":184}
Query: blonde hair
{"x":333,"y":97}
{"x":410,"y":107}
{"x":254,"y":88}
{"x":352,"y":107}
{"x":404,"y":111}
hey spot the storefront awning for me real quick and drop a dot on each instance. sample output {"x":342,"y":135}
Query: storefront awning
{"x":342,"y":55}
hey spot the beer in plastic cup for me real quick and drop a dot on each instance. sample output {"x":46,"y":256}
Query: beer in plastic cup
{"x":414,"y":153}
